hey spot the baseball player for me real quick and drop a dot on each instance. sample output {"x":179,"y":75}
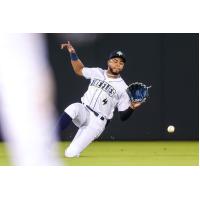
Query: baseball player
{"x":106,"y":92}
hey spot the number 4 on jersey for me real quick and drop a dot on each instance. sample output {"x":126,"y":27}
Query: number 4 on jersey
{"x":105,"y":101}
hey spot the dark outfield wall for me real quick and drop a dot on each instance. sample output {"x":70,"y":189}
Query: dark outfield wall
{"x":168,"y":62}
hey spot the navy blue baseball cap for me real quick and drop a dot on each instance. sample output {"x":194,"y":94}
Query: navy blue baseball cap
{"x":118,"y":54}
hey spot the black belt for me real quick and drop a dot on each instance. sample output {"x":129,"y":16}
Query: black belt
{"x":97,"y":114}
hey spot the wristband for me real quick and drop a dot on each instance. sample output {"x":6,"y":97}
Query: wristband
{"x":73,"y":56}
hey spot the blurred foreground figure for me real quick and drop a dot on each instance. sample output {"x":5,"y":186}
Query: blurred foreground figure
{"x":26,"y":100}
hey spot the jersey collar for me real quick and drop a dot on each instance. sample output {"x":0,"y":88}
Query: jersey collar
{"x":111,"y":79}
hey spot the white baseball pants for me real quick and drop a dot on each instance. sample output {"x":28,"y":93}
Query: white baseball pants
{"x":90,"y":127}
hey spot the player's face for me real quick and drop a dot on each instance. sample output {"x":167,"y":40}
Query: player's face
{"x":115,"y":65}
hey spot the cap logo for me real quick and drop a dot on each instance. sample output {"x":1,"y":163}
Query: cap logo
{"x":119,"y":53}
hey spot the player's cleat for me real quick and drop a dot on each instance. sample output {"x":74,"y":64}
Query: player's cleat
{"x":69,"y":153}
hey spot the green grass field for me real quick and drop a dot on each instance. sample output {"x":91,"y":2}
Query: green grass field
{"x":159,"y":153}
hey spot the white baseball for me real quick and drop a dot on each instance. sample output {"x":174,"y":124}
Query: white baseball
{"x":170,"y":129}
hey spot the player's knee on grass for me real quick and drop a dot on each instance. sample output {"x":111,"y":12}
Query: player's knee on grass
{"x":72,"y":152}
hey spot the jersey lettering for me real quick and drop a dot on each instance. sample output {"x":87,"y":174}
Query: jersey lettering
{"x":106,"y":87}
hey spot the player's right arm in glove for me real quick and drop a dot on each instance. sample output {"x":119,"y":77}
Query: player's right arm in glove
{"x":75,"y":61}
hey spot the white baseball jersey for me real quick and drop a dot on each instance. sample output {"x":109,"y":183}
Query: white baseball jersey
{"x":104,"y":94}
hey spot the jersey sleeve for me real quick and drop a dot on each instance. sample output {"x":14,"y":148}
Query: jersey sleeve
{"x":90,"y":73}
{"x":124,"y":102}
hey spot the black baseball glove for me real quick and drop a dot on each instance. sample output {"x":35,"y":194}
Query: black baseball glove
{"x":138,"y":92}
